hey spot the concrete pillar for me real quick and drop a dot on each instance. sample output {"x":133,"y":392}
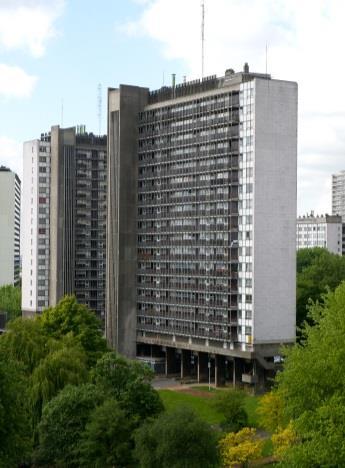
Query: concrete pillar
{"x":170,"y":364}
{"x":219,"y":370}
{"x":236,"y":372}
{"x":185,"y":363}
{"x":202,"y":367}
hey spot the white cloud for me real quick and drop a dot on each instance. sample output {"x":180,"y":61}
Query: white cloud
{"x":28,"y":24}
{"x":305,"y":44}
{"x":15,"y":82}
{"x":11,"y":155}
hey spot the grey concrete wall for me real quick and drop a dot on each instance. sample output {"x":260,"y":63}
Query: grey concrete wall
{"x":124,"y":105}
{"x":275,"y":201}
{"x":61,"y":271}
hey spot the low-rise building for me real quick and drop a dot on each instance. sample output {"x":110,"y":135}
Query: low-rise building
{"x":320,"y":231}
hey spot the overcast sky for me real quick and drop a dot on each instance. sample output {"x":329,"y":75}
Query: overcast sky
{"x":54,"y":53}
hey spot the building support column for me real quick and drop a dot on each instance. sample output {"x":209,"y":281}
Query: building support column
{"x":219,"y":370}
{"x":185,"y":363}
{"x":202,"y":367}
{"x":236,"y":371}
{"x":170,"y":364}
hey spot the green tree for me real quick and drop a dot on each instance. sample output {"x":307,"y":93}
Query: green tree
{"x":10,"y":301}
{"x":70,"y":317}
{"x":25,"y":341}
{"x":107,"y":440}
{"x":64,"y":366}
{"x":129,"y":383}
{"x":306,"y":257}
{"x":14,"y":417}
{"x":312,"y":385}
{"x":231,"y":404}
{"x":177,"y":439}
{"x":63,"y":422}
{"x":317,"y":271}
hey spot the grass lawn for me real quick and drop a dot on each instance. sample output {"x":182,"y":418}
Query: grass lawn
{"x":203,"y":405}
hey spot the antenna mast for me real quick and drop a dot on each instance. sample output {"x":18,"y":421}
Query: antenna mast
{"x":202,"y":37}
{"x":99,"y":105}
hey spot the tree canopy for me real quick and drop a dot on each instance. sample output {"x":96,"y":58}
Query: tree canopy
{"x":312,"y":386}
{"x":70,"y":317}
{"x":14,"y":418}
{"x":177,"y":439}
{"x":10,"y":301}
{"x":317,"y":270}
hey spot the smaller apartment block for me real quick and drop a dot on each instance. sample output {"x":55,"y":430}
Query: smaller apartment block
{"x":64,"y":218}
{"x":9,"y":227}
{"x":320,"y":231}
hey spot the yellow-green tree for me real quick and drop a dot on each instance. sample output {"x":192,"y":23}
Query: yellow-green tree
{"x":239,"y":448}
{"x":283,"y":440}
{"x":270,"y":411}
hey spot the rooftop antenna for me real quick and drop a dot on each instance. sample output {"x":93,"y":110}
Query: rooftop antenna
{"x":61,"y":112}
{"x":202,"y":37}
{"x":266,"y":58}
{"x":99,"y":105}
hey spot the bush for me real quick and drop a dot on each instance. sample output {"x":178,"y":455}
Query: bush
{"x":177,"y":439}
{"x":231,"y":404}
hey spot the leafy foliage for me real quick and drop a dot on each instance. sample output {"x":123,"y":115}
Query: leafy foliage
{"x":241,"y":447}
{"x":317,"y":271}
{"x":10,"y":301}
{"x":70,"y":317}
{"x":231,"y":404}
{"x":14,"y":418}
{"x":25,"y":341}
{"x":312,"y":386}
{"x":283,"y":440}
{"x":129,"y":383}
{"x":177,"y":439}
{"x":64,"y":366}
{"x":270,"y":411}
{"x":107,"y":440}
{"x":63,"y":422}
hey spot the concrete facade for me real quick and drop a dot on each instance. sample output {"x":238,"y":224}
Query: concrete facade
{"x":201,"y":252}
{"x":36,"y":203}
{"x":124,"y":105}
{"x":10,"y":197}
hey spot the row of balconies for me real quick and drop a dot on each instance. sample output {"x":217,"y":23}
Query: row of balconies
{"x":193,"y":318}
{"x":196,"y":302}
{"x":187,"y":152}
{"x":199,"y":272}
{"x":161,"y":115}
{"x":229,"y":127}
{"x":155,"y":243}
{"x":213,"y":183}
{"x":154,"y":215}
{"x":187,"y":229}
{"x":196,"y":332}
{"x":165,"y":199}
{"x":166,"y":172}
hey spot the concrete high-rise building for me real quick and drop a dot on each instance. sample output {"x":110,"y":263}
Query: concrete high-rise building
{"x":320,"y":231}
{"x":65,"y":193}
{"x":338,"y":194}
{"x":9,"y":227}
{"x":201,"y":230}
